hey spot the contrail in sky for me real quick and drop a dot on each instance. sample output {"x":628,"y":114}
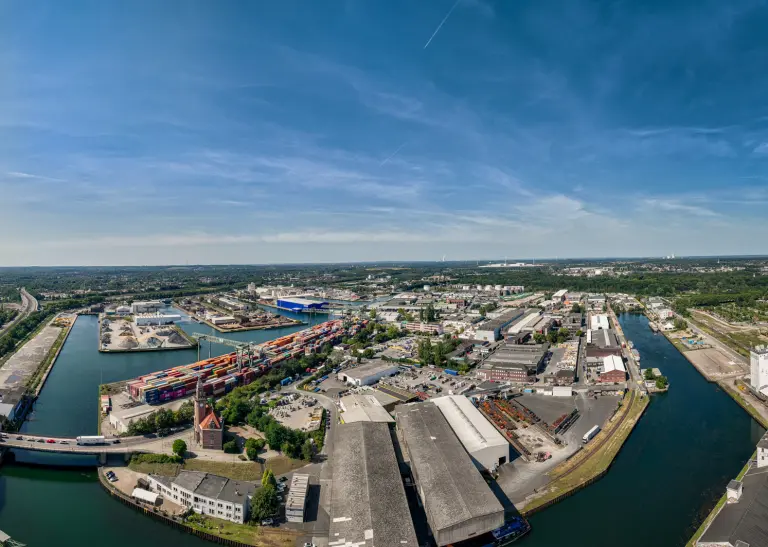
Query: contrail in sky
{"x":447,"y":15}
{"x":392,"y":155}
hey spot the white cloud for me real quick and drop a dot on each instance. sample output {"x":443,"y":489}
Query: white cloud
{"x":671,"y":205}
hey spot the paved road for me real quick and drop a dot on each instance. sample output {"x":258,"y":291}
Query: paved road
{"x":28,"y":305}
{"x":634,"y":366}
{"x":68,"y":445}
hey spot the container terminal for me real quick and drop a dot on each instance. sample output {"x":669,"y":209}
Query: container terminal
{"x":222,"y":374}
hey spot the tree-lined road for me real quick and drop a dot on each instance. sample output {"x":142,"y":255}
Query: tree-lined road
{"x":28,"y":305}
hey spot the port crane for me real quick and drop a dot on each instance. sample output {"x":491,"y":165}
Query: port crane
{"x":245,"y":351}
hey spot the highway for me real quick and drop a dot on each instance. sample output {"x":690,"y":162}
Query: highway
{"x":28,"y":305}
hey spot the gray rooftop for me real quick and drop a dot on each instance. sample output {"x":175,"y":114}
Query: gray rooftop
{"x":452,"y":489}
{"x":502,"y":320}
{"x":213,"y":486}
{"x":368,"y":369}
{"x":745,"y":520}
{"x":368,"y":504}
{"x":604,"y":338}
{"x":763,"y":442}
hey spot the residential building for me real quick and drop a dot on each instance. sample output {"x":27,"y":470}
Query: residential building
{"x":418,"y":326}
{"x":206,"y":494}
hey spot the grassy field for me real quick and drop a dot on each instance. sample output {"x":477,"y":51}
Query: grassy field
{"x":244,"y":533}
{"x":724,"y":338}
{"x":166,"y":469}
{"x":715,"y":510}
{"x":590,"y":463}
{"x":241,"y":471}
{"x":245,"y":471}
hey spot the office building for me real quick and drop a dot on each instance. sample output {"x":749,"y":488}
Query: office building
{"x":206,"y":494}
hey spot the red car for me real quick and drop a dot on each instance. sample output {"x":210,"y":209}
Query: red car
{"x":50,"y":441}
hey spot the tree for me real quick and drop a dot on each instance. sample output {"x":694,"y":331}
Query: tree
{"x":563,"y":334}
{"x":539,"y":338}
{"x":164,"y":419}
{"x":372,"y":314}
{"x":264,"y":503}
{"x":648,"y":374}
{"x":661,"y":382}
{"x":268,"y":479}
{"x":579,"y":333}
{"x":230,"y":447}
{"x":552,"y":337}
{"x":680,"y":324}
{"x":576,"y":308}
{"x":307,"y":450}
{"x":368,"y":353}
{"x":179,"y":447}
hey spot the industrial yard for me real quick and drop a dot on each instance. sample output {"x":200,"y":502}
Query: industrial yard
{"x":124,"y":334}
{"x":225,"y":313}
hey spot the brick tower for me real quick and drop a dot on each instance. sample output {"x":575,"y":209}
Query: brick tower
{"x":200,"y":409}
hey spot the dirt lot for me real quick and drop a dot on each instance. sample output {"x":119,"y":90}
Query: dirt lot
{"x":715,"y":365}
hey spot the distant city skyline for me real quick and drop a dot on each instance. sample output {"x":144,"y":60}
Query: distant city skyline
{"x":303,"y":132}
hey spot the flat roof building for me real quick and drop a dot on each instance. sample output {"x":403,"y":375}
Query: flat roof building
{"x":480,"y":438}
{"x":490,"y":330}
{"x":599,"y":321}
{"x":297,"y":498}
{"x":368,"y":373}
{"x":368,"y":503}
{"x":457,"y":501}
{"x":363,"y":408}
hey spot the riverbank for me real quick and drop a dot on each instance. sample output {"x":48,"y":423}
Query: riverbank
{"x":38,"y":382}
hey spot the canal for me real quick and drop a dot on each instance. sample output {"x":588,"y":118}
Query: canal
{"x":44,"y":507}
{"x":672,"y":470}
{"x":674,"y":466}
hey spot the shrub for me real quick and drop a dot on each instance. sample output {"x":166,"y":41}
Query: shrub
{"x":230,"y":447}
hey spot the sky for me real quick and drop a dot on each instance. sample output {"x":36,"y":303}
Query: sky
{"x":145,"y":132}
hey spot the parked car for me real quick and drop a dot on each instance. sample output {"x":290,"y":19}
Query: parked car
{"x":19,"y":438}
{"x":267,"y":522}
{"x":283,"y":479}
{"x":63,"y":442}
{"x":116,"y":441}
{"x":40,"y":440}
{"x":50,"y":441}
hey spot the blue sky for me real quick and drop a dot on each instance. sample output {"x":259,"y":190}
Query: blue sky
{"x":254,"y":132}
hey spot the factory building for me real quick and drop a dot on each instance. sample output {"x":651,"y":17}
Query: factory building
{"x":758,"y":368}
{"x":560,"y":295}
{"x":524,"y":324}
{"x":573,"y":322}
{"x":480,"y":438}
{"x":144,"y":319}
{"x":150,"y":306}
{"x":363,"y":408}
{"x":368,"y":503}
{"x":514,"y":363}
{"x":613,"y":370}
{"x":367,"y":374}
{"x":599,"y":321}
{"x":457,"y":501}
{"x":300,"y":304}
{"x":232,"y":304}
{"x":601,"y":343}
{"x":490,"y":330}
{"x":221,"y":319}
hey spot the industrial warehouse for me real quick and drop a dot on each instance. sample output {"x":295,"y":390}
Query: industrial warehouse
{"x":458,"y":502}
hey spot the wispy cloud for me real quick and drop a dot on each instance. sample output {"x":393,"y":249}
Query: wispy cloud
{"x":674,"y":206}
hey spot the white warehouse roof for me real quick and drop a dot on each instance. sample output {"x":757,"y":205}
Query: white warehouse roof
{"x":526,"y":321}
{"x":560,"y":294}
{"x":599,"y":322}
{"x":483,"y":441}
{"x":144,"y":495}
{"x":613,"y":362}
{"x":363,"y":408}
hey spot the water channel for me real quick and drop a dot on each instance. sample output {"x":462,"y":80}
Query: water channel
{"x":674,"y":466}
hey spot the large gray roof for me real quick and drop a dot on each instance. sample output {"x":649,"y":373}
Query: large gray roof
{"x":368,"y":504}
{"x":214,"y":486}
{"x":453,"y":489}
{"x":745,"y":520}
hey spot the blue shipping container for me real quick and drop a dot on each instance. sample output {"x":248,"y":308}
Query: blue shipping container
{"x":286,"y":381}
{"x":451,"y":372}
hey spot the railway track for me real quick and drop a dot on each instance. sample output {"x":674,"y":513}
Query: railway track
{"x":606,"y":438}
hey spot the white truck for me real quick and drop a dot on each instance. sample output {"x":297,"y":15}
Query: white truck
{"x":589,"y":435}
{"x":89,"y":440}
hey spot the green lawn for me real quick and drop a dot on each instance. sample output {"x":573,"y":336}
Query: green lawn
{"x":166,"y":469}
